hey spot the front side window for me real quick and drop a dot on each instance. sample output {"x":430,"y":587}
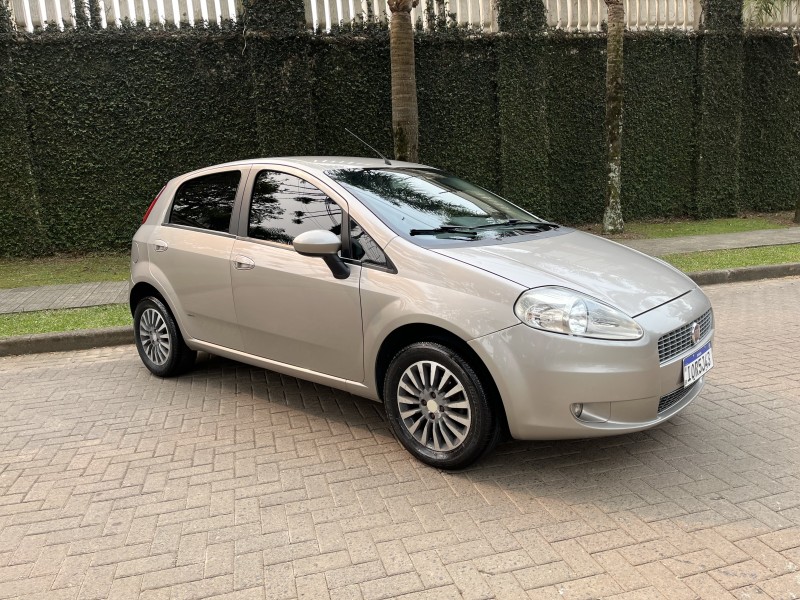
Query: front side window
{"x":206,"y":202}
{"x":283,"y":206}
{"x":364,"y":248}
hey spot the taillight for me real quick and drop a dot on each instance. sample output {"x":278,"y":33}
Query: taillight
{"x":152,"y":204}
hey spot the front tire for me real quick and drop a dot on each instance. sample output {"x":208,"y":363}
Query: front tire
{"x":438,"y":407}
{"x":159,"y":341}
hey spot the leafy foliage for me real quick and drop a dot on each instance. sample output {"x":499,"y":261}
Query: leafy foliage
{"x":710,"y":118}
{"x":758,"y":11}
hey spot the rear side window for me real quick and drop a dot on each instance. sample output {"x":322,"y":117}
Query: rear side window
{"x":206,"y":202}
{"x":284,"y":206}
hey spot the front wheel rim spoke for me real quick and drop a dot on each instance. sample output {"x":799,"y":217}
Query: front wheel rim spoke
{"x":456,"y":389}
{"x":410,"y":413}
{"x":413,"y":428}
{"x":452,"y":429}
{"x":443,"y":432}
{"x":421,"y":372}
{"x":424,"y":436}
{"x":458,"y":419}
{"x":409,"y":391}
{"x":460,"y":404}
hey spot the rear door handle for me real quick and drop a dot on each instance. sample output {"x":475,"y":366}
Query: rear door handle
{"x":160,"y":245}
{"x":243,"y":263}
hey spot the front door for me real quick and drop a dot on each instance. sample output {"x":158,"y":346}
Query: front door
{"x":289,"y":307}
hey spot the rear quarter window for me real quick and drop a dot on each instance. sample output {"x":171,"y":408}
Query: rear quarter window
{"x":206,"y":202}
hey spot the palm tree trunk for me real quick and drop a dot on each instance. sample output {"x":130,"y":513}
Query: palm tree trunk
{"x":796,"y":50}
{"x":405,"y":116}
{"x":612,"y":217}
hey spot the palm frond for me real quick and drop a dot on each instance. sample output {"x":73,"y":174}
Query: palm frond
{"x":758,"y":12}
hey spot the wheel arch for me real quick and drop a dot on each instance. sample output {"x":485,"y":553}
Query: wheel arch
{"x":142,"y":290}
{"x":424,"y":332}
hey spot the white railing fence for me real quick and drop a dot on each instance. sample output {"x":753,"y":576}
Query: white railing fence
{"x":34,"y":14}
{"x":323,"y":15}
{"x":640,"y":15}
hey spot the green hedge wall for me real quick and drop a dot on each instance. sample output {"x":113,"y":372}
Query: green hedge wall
{"x":458,"y":114}
{"x":110,"y":121}
{"x":21,"y":230}
{"x":93,"y":123}
{"x":524,"y":135}
{"x":575,"y":71}
{"x":769,"y":174}
{"x":659,"y":143}
{"x":352,"y":90}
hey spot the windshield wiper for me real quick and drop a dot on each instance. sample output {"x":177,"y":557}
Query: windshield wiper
{"x":445,"y":229}
{"x":520,"y":224}
{"x":473,"y":229}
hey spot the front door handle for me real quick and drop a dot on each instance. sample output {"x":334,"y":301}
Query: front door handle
{"x":243,"y":263}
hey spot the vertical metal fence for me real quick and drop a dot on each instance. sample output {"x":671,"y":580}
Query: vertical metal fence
{"x":640,"y":15}
{"x":323,"y":15}
{"x":37,"y":14}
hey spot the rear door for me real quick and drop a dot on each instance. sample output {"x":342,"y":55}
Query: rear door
{"x":191,"y":255}
{"x":289,"y":307}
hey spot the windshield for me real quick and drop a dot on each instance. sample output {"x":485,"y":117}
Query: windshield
{"x":432,"y":205}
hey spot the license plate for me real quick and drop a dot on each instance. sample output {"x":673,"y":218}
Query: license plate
{"x":697,"y":365}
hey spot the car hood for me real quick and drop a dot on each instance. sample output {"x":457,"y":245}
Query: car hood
{"x":615,"y":274}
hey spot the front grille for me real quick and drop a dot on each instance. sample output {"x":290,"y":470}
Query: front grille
{"x":673,"y":398}
{"x":680,"y":339}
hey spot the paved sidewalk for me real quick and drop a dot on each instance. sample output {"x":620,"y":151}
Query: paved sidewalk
{"x":234,"y":482}
{"x":95,"y":294}
{"x":721,"y":241}
{"x":47,"y":297}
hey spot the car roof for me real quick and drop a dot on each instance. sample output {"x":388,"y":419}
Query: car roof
{"x":313,"y":164}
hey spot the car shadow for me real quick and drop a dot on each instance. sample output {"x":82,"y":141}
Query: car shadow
{"x":629,"y":468}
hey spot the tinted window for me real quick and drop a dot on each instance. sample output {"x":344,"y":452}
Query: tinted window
{"x":284,"y":206}
{"x":364,"y":247}
{"x":206,"y":202}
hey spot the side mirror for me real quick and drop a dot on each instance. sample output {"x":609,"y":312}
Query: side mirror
{"x":326,"y":245}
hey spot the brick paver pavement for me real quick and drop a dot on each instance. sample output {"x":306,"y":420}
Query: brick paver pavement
{"x":236,"y":482}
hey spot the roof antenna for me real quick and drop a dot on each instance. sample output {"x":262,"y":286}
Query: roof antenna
{"x":386,"y":160}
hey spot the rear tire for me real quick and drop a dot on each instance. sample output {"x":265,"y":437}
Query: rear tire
{"x":159,"y":341}
{"x":438,"y":407}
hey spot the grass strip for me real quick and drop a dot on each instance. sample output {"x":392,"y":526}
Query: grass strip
{"x":68,"y":319}
{"x":25,"y":272}
{"x":708,"y":227}
{"x":712,"y":260}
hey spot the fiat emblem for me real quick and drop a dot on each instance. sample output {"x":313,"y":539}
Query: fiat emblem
{"x":695,"y":333}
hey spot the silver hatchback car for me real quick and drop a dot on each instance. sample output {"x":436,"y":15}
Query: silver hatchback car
{"x":464,"y":314}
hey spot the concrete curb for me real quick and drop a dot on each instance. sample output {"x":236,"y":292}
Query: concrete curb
{"x":119,"y":336}
{"x":745,"y":274}
{"x":67,"y":340}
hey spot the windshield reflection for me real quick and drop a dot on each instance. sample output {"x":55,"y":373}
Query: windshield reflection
{"x":416,"y":199}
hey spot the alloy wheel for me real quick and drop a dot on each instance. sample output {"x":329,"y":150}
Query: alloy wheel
{"x":154,"y":336}
{"x":433,"y":406}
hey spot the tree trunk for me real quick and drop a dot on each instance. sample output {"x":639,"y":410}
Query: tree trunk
{"x":612,"y":217}
{"x":405,"y":117}
{"x":796,"y":50}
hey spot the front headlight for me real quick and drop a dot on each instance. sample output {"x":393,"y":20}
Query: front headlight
{"x":565,"y":311}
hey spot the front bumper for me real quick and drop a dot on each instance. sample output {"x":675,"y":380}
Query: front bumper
{"x":540,"y":375}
